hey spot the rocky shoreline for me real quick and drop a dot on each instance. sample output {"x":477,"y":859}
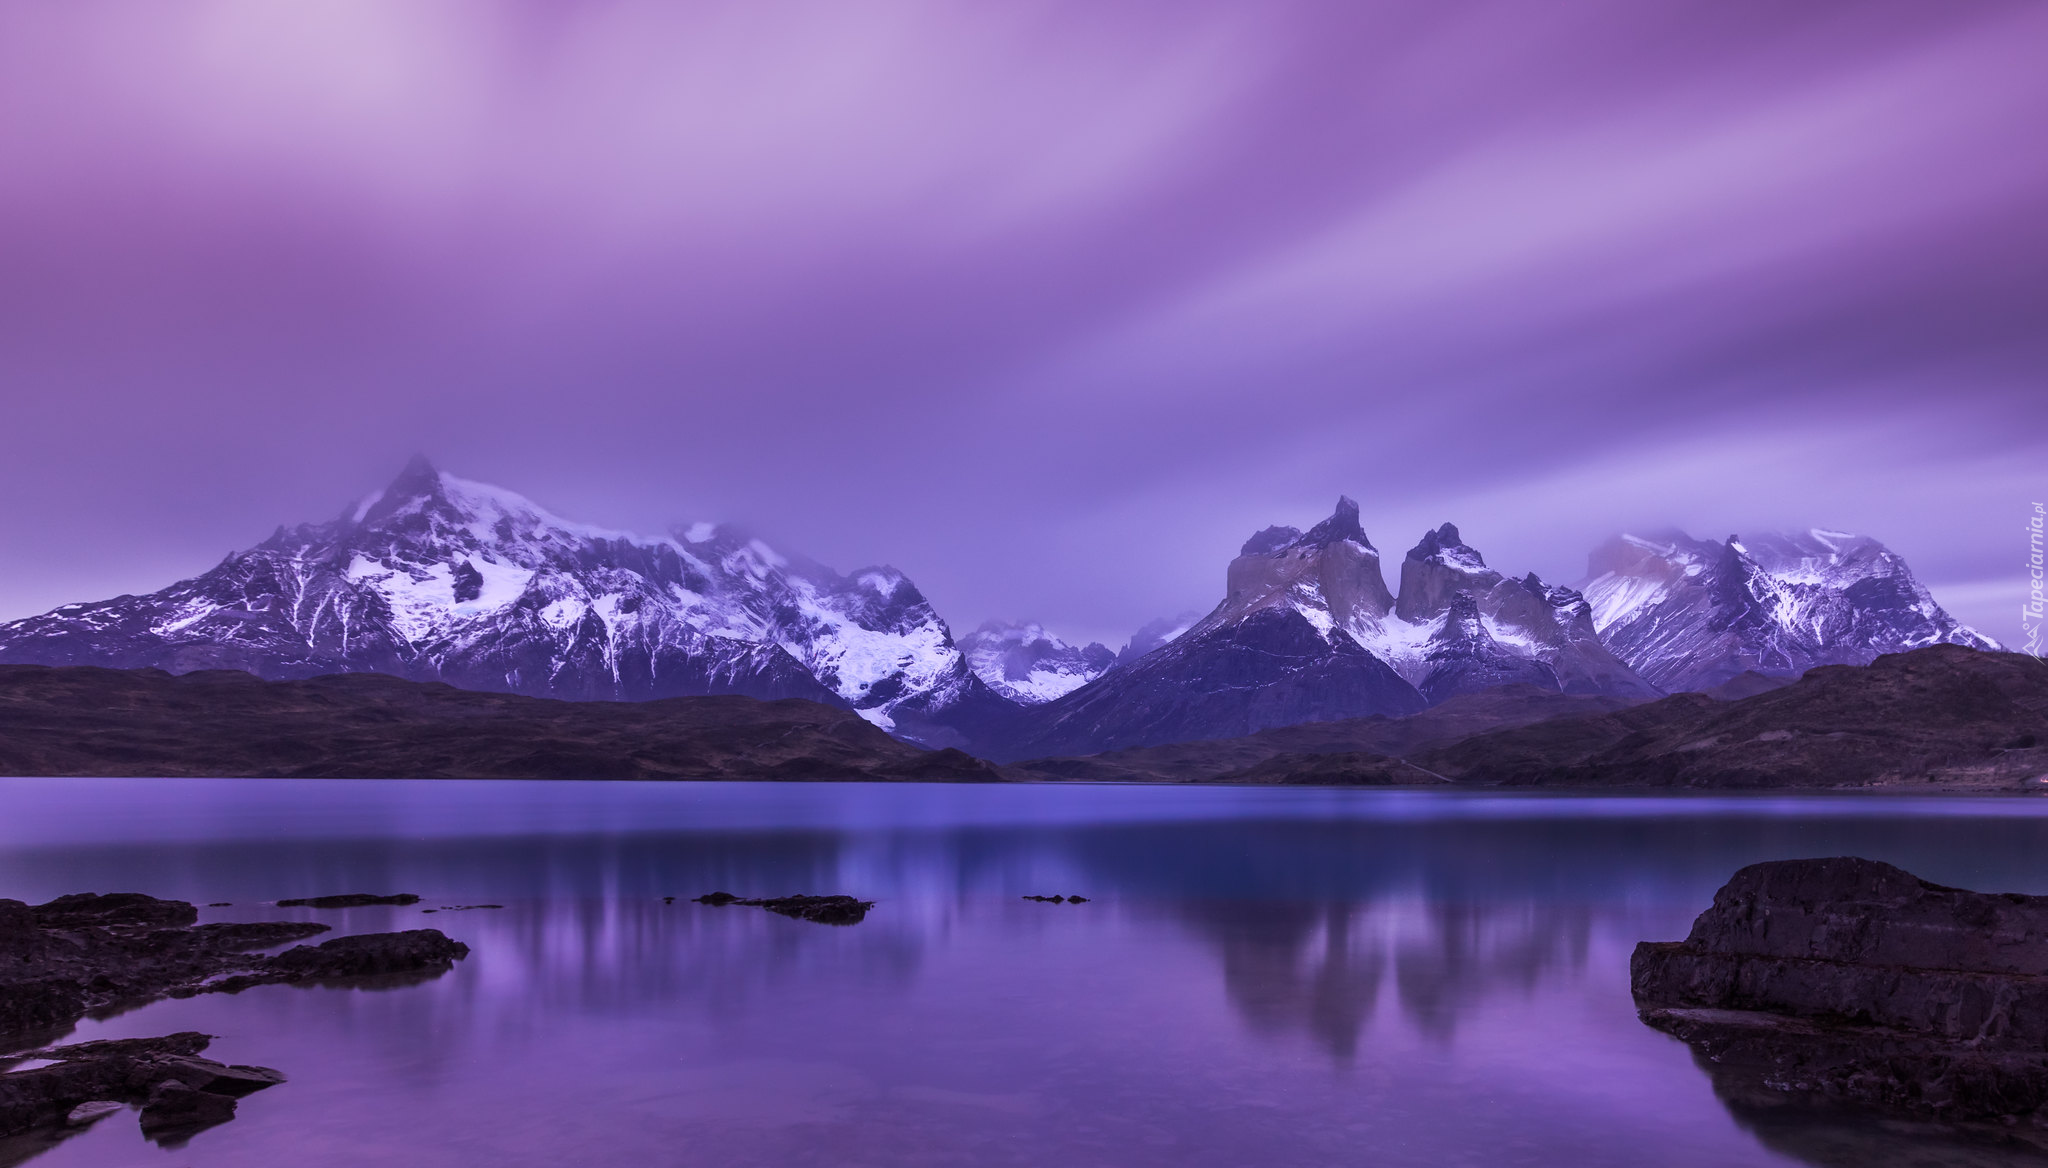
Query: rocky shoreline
{"x":99,"y":955}
{"x":1848,"y":983}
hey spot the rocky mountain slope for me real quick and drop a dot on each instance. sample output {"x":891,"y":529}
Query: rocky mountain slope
{"x":1943,"y":718}
{"x":82,"y":721}
{"x":1278,"y":650}
{"x":1027,"y":665}
{"x":1155,"y":633}
{"x":436,"y":578}
{"x":1688,"y":614}
{"x":1309,"y":631}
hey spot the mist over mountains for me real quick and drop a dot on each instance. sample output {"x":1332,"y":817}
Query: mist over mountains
{"x":437,"y":578}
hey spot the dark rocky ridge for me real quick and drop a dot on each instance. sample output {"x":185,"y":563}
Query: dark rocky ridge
{"x":1940,"y":718}
{"x":101,"y":722}
{"x":1847,"y":981}
{"x":1231,"y":760}
{"x":1944,"y":718}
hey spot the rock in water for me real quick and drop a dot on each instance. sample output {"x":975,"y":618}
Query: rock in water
{"x":823,"y":910}
{"x":349,"y":900}
{"x":175,"y":1112}
{"x":179,"y":1092}
{"x":1848,"y":981}
{"x":371,"y":955}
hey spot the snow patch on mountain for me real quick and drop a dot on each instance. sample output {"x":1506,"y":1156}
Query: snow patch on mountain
{"x":1028,"y":665}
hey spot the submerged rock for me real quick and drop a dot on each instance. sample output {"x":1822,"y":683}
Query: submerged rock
{"x":1846,"y":981}
{"x":823,"y":910}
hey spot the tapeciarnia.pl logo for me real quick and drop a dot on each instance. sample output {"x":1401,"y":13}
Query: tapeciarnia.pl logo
{"x":2031,"y":615}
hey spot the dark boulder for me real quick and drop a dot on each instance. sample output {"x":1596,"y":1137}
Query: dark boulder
{"x":176,"y":1111}
{"x":1848,"y":981}
{"x":370,"y":955}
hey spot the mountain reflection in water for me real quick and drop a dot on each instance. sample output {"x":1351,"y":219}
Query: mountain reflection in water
{"x":1297,"y":977}
{"x":1318,"y":969}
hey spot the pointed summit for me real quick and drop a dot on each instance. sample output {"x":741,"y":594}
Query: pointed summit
{"x":1342,"y":524}
{"x":418,"y":480}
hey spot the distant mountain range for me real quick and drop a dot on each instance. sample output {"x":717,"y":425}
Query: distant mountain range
{"x":436,"y":578}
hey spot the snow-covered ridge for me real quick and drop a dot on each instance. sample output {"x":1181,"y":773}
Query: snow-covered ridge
{"x":1691,"y":613}
{"x":443,"y":578}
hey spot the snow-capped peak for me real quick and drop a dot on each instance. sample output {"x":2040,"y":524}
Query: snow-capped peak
{"x":444,"y":578}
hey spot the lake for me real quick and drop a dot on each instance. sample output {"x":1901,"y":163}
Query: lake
{"x":1262,"y":976}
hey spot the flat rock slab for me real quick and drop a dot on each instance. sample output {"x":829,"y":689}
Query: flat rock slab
{"x":349,"y":900}
{"x":1846,"y":980}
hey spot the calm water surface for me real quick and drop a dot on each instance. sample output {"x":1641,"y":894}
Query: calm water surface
{"x":1263,"y":976}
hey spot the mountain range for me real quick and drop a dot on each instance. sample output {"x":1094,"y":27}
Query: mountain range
{"x":437,"y":578}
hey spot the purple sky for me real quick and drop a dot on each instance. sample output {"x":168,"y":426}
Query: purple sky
{"x":1048,"y":304}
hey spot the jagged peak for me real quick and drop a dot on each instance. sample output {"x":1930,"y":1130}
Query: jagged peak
{"x":1446,"y":545}
{"x":1342,"y":525}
